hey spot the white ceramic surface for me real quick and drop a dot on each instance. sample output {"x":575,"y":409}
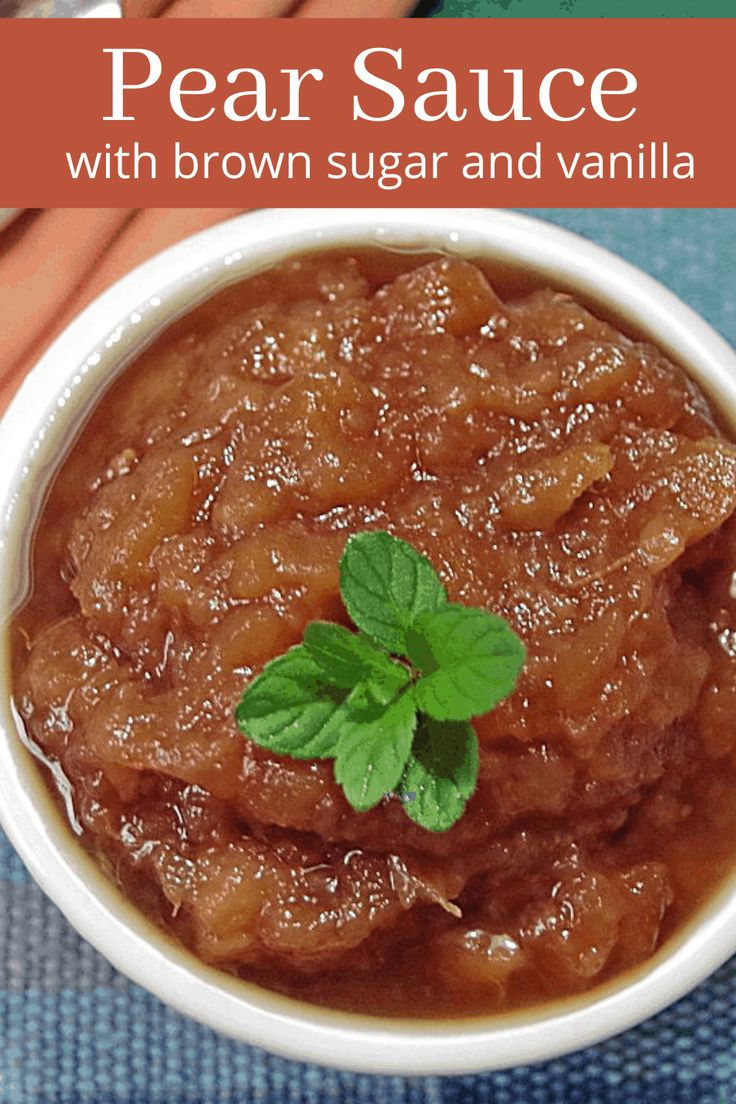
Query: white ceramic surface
{"x":37,"y":428}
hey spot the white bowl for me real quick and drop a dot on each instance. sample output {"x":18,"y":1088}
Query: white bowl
{"x":34,"y":432}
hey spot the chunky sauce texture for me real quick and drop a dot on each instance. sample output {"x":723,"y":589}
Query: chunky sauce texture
{"x":555,"y":472}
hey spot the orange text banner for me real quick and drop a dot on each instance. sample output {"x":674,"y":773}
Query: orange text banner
{"x":351,"y":112}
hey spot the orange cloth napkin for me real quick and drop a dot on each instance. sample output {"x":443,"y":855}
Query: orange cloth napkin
{"x":52,"y":263}
{"x":269,"y":9}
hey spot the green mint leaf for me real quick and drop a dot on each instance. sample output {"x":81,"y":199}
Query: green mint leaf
{"x":289,"y":709}
{"x":347,"y":658}
{"x":378,"y":692}
{"x":372,"y":751}
{"x":389,"y":727}
{"x":441,"y":773}
{"x":385,"y":585}
{"x":470,"y":661}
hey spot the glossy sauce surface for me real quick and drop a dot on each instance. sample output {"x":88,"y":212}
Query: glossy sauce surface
{"x":555,"y":472}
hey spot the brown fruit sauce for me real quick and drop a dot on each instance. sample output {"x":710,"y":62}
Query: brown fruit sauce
{"x":555,"y":472}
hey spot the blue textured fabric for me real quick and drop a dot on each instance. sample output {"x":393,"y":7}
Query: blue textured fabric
{"x":73,"y":1031}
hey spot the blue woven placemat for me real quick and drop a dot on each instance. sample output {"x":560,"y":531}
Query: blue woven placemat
{"x":73,"y":1031}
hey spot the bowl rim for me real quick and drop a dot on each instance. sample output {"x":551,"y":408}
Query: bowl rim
{"x":63,"y":384}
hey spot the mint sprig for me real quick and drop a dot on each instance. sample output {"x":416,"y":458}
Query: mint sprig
{"x":390,"y":703}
